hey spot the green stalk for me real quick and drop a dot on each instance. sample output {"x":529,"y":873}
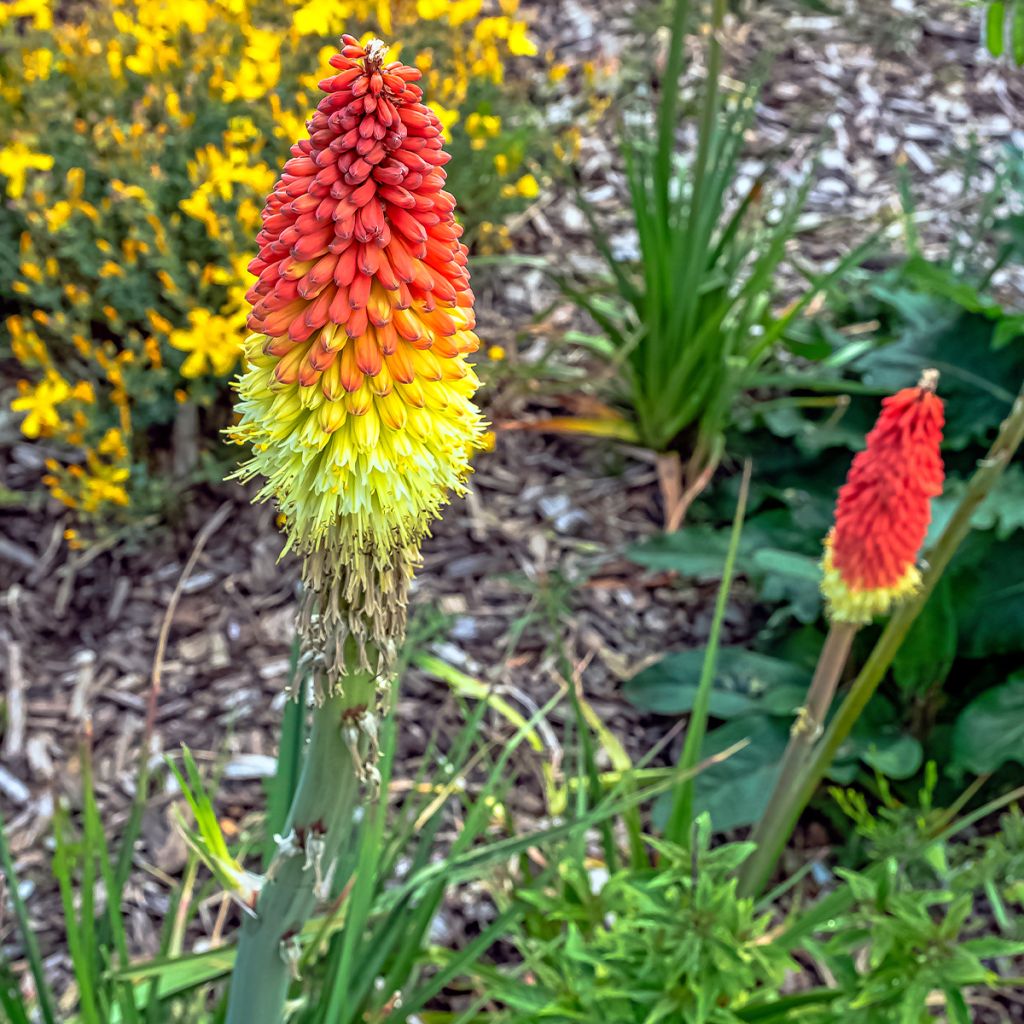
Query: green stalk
{"x":342,"y":746}
{"x":777,"y":830}
{"x":678,"y":828}
{"x":807,"y":728}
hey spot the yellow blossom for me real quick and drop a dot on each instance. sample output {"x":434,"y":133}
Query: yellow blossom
{"x":212,"y":343}
{"x":527,"y":187}
{"x":58,"y":215}
{"x":37,"y":65}
{"x":38,"y":10}
{"x":40,"y":403}
{"x":16,"y":160}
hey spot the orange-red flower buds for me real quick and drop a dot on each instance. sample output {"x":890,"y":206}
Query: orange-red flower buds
{"x":884,"y":507}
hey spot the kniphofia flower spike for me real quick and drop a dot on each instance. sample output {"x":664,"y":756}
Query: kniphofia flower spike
{"x":357,"y":399}
{"x":884,"y":508}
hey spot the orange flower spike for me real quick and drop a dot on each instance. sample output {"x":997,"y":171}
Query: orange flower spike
{"x":884,"y":508}
{"x":360,"y":268}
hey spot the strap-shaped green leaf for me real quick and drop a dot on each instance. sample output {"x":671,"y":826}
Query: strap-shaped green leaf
{"x":994,"y":21}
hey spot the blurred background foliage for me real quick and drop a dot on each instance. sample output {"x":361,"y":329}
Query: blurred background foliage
{"x":137,"y":143}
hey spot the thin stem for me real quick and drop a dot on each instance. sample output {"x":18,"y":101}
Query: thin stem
{"x":678,"y":828}
{"x":806,"y":730}
{"x":1011,"y":435}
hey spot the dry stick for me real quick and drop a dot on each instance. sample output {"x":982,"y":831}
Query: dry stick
{"x":692,"y":493}
{"x":776,"y":832}
{"x":210,"y":527}
{"x":670,"y":482}
{"x":810,"y":722}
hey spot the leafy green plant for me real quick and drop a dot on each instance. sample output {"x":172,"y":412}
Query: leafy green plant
{"x":967,"y":640}
{"x":898,"y":937}
{"x":665,"y":943}
{"x":695,"y":317}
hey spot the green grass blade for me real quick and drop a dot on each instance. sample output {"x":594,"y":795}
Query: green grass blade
{"x":44,"y":996}
{"x":995,"y":34}
{"x":281,"y":788}
{"x":10,"y":997}
{"x":677,"y":829}
{"x":340,"y":1007}
{"x":626,"y":288}
{"x":79,"y":949}
{"x":454,"y":965}
{"x":95,"y":842}
{"x":668,"y":112}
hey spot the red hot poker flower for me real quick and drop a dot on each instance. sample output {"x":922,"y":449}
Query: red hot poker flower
{"x":357,"y":402}
{"x":884,"y":507}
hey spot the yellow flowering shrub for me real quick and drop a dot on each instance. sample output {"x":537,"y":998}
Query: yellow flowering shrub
{"x":138,"y":140}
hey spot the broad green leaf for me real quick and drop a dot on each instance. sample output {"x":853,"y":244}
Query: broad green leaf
{"x":926,"y":655}
{"x":990,"y":730}
{"x":940,"y":279}
{"x":735,"y":792}
{"x":1009,"y":328}
{"x":1003,"y":509}
{"x":695,"y":551}
{"x":744,"y":682}
{"x":790,"y":578}
{"x":988,"y":592}
{"x":895,"y":754}
{"x":977,"y":381}
{"x":880,"y":741}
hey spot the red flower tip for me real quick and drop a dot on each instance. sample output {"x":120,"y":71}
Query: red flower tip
{"x":884,"y":508}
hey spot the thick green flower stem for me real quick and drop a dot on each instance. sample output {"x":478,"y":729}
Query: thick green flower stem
{"x":776,"y":829}
{"x":339,"y":759}
{"x":809,"y":724}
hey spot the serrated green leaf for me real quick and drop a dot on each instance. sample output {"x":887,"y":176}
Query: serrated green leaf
{"x":735,"y":792}
{"x":1003,"y":508}
{"x":976,"y":379}
{"x":989,"y":595}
